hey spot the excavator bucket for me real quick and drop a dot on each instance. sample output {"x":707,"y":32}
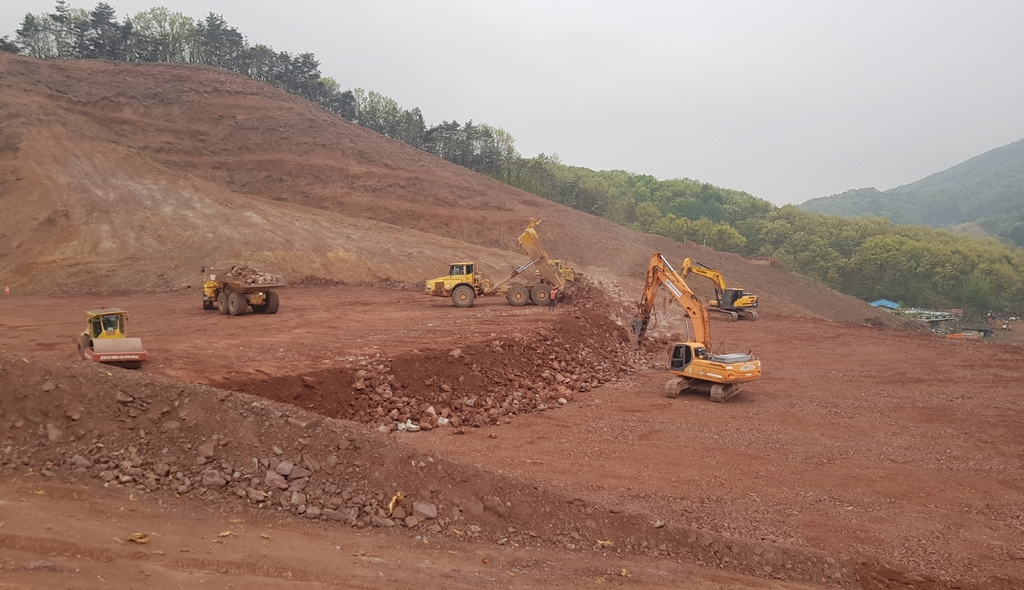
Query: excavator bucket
{"x":530,"y":242}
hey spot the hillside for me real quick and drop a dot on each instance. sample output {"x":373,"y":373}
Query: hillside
{"x":130,"y":177}
{"x":987,"y":189}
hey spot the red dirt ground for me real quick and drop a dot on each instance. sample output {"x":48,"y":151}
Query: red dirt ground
{"x":859,"y":446}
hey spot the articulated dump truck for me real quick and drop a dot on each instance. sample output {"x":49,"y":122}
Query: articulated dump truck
{"x":233,"y":288}
{"x":464,"y":283}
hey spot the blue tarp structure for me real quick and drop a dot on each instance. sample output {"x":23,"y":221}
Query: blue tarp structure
{"x":885,"y":303}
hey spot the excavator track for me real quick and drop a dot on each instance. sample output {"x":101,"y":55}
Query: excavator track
{"x":721,"y":392}
{"x":724,"y":314}
{"x":674,"y":386}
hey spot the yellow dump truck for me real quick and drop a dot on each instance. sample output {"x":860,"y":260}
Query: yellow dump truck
{"x":104,"y":340}
{"x":234,"y":288}
{"x":464,"y":283}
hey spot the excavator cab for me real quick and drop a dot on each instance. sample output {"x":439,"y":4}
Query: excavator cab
{"x":682,"y":356}
{"x":683,"y":353}
{"x":738,"y":298}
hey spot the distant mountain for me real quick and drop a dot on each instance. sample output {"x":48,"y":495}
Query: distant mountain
{"x":987,"y":190}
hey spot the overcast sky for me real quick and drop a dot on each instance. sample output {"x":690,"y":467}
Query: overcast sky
{"x":788,"y":100}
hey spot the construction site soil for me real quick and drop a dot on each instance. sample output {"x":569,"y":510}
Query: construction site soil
{"x":368,"y":435}
{"x":864,"y":457}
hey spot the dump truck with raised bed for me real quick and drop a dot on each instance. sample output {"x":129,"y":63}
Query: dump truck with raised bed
{"x":729,"y":303}
{"x":233,"y":288}
{"x":105,"y":340}
{"x":695,"y":367}
{"x":464,"y":283}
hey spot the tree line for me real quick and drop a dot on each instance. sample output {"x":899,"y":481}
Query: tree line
{"x":868,"y":258}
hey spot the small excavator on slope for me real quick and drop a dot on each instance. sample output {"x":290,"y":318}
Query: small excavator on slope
{"x":732,"y":304}
{"x":694,"y":366}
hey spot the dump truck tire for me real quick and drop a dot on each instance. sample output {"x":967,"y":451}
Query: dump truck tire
{"x":236,"y":303}
{"x":207,"y":304}
{"x":273,"y":302}
{"x":222,"y":303}
{"x":540,"y":295}
{"x":518,"y":295}
{"x":463,"y":296}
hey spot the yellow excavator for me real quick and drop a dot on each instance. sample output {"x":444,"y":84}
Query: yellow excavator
{"x":695,"y":367}
{"x":732,"y":304}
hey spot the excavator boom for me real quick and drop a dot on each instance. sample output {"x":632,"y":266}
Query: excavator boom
{"x":660,"y":272}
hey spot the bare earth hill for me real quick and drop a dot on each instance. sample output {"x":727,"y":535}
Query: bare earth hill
{"x":129,"y":177}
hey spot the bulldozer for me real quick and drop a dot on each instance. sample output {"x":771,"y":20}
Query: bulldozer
{"x":729,"y":303}
{"x":104,"y":340}
{"x":464,"y":283}
{"x":694,"y":366}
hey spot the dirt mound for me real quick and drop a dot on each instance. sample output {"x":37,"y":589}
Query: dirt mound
{"x":130,"y":177}
{"x":475,"y":384}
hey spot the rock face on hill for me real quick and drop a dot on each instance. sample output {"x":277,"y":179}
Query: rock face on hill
{"x":130,"y":177}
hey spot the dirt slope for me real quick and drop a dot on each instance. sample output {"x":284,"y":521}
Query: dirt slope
{"x":129,"y":177}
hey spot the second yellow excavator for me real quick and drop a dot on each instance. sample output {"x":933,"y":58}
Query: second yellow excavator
{"x":695,"y":367}
{"x":732,"y":304}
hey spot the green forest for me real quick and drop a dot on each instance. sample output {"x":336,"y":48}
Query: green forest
{"x":869,"y":258}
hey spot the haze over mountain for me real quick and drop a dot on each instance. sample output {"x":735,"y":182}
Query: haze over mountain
{"x":987,"y":190}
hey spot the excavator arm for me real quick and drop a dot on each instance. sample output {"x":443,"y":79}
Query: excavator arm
{"x":690,"y":265}
{"x":660,"y":272}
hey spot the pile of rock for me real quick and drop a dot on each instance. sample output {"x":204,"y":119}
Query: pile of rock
{"x":326,"y":489}
{"x":485,"y":384}
{"x":251,"y":276}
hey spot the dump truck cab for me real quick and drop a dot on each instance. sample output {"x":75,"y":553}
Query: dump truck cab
{"x":462,"y":284}
{"x":461,"y":271}
{"x":105,"y":340}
